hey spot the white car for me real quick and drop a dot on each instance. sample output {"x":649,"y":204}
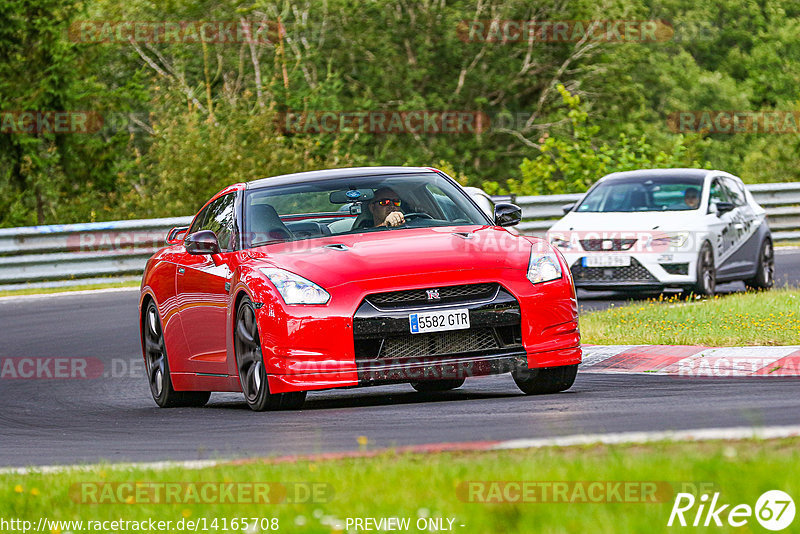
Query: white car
{"x":666,"y":228}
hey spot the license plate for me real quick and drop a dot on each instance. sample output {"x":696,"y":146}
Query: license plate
{"x":439,"y":321}
{"x":607,"y":260}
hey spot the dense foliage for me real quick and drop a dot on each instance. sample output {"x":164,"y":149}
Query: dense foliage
{"x":181,"y":120}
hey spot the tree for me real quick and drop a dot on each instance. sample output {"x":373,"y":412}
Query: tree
{"x":572,"y":161}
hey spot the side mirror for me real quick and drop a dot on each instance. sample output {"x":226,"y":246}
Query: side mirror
{"x":506,"y":214}
{"x":566,"y":208}
{"x":202,"y":242}
{"x":724,"y":207}
{"x":174,"y":236}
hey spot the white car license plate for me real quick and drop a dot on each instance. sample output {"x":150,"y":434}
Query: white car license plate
{"x":607,"y":260}
{"x":439,"y":321}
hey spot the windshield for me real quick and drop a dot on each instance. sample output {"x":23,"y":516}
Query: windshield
{"x":354,"y":206}
{"x":644,"y":194}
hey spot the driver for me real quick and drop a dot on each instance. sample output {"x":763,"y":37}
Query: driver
{"x":692,"y":197}
{"x":385,"y":208}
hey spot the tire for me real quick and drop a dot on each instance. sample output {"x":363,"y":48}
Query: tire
{"x":430,"y":386}
{"x":765,"y":273}
{"x":545,"y":380}
{"x":157,"y":366}
{"x":706,"y":272}
{"x":250,"y":364}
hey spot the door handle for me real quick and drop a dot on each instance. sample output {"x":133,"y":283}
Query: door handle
{"x":181,"y":270}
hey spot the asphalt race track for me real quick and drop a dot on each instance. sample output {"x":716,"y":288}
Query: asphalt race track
{"x":112,"y":417}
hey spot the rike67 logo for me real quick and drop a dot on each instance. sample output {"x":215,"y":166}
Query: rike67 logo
{"x":774,"y":510}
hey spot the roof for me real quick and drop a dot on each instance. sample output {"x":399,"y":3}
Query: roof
{"x":662,"y":173}
{"x":329,"y":174}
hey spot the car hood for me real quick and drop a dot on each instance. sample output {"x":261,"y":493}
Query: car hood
{"x":628,"y":222}
{"x":336,"y":260}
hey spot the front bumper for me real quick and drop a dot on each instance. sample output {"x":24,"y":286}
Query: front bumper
{"x":321,"y":347}
{"x":386,"y":350}
{"x":647,"y":270}
{"x":439,"y":369}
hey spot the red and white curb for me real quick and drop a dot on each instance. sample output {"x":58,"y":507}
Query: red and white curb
{"x":692,"y":360}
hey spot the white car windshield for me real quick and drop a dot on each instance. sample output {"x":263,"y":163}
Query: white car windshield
{"x":644,"y":194}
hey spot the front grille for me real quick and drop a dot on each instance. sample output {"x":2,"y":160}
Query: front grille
{"x":596,"y":245}
{"x":438,"y":343}
{"x":419,"y":297}
{"x":635,"y":272}
{"x":676,"y":268}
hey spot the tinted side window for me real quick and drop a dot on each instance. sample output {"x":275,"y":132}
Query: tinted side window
{"x":219,"y":218}
{"x":197,"y":225}
{"x":718,"y":193}
{"x":734,"y":192}
{"x":220,"y":221}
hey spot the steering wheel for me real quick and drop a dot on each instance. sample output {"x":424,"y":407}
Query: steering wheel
{"x":417,"y":215}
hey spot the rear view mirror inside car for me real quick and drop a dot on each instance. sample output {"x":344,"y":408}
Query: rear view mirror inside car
{"x":351,"y":195}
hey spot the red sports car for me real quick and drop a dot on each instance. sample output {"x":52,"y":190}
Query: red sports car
{"x":353,"y":277}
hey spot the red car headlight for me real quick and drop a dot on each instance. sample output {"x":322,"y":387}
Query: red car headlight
{"x":295,"y":289}
{"x":543,"y":267}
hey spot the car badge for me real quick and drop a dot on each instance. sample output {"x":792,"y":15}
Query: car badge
{"x":608,"y":244}
{"x":433,"y":294}
{"x":353,"y":194}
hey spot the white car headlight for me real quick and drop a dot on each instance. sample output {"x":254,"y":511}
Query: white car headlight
{"x":676,"y":240}
{"x":543,"y":267}
{"x":295,"y":289}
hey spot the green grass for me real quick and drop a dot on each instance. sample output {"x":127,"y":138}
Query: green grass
{"x":762,"y":318}
{"x":407,"y":485}
{"x":65,"y":289}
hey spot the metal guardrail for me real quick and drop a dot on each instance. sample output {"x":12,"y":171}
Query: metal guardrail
{"x":780,"y":200}
{"x":77,"y":251}
{"x":91,"y":250}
